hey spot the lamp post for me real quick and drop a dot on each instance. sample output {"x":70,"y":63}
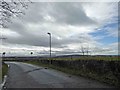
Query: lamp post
{"x":50,"y":42}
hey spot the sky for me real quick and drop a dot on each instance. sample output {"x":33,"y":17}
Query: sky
{"x":73,"y":25}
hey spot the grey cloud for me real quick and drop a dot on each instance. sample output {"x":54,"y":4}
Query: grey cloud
{"x":70,"y":13}
{"x":63,"y":13}
{"x":42,"y":39}
{"x":66,"y":13}
{"x":35,"y":12}
{"x":28,"y":37}
{"x":18,"y":27}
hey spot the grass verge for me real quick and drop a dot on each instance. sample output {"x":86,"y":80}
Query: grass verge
{"x":4,"y":69}
{"x":107,"y":78}
{"x":0,"y":75}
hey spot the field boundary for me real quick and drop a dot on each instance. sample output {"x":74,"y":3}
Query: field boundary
{"x":108,"y":74}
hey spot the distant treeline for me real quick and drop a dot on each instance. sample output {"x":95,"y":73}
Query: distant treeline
{"x":66,"y":57}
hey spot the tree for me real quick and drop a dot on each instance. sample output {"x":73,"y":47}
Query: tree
{"x":85,"y":50}
{"x":82,"y":50}
{"x":31,"y":53}
{"x":11,"y":8}
{"x":88,"y":50}
{"x":3,"y":54}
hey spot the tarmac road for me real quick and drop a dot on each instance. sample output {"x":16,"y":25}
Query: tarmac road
{"x":22,"y":75}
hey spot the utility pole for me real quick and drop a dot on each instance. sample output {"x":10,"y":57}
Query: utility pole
{"x":3,"y":54}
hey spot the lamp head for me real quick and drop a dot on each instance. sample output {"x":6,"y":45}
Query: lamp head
{"x":48,"y":33}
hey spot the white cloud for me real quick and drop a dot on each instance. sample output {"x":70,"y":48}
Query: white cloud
{"x":112,"y":32}
{"x":102,"y":12}
{"x":9,"y":33}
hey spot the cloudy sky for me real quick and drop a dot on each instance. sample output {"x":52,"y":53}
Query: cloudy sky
{"x":73,"y":25}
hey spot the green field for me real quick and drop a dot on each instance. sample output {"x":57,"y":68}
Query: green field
{"x":108,"y":58}
{"x":104,"y":58}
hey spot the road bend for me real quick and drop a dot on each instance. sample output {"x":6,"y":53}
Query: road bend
{"x":22,"y":75}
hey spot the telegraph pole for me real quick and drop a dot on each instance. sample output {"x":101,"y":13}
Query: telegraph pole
{"x":3,"y":38}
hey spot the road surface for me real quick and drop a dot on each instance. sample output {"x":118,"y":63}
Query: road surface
{"x":22,"y":75}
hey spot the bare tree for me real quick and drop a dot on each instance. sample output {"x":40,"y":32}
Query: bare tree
{"x":82,"y":50}
{"x":11,"y":8}
{"x":85,"y":50}
{"x":88,"y":50}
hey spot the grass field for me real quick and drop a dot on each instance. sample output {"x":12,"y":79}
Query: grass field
{"x":108,"y":58}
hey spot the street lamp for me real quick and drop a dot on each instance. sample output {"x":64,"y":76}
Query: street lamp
{"x":50,"y":42}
